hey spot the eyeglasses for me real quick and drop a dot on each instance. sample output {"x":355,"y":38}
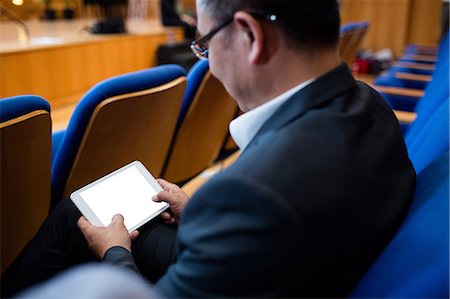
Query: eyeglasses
{"x":200,"y":46}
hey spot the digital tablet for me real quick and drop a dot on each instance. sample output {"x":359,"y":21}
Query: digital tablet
{"x":127,"y":191}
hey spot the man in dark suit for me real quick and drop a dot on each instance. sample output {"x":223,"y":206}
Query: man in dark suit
{"x":322,"y":184}
{"x":171,"y":17}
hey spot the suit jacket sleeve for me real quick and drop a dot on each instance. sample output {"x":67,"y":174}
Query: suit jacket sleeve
{"x":120,"y":257}
{"x":231,"y":234}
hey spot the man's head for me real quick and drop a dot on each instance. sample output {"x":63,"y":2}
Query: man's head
{"x":306,"y":23}
{"x":257,"y":54}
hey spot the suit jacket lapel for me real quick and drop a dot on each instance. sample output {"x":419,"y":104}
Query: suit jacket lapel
{"x":323,"y":89}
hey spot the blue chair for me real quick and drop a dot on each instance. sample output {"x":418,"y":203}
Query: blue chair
{"x":121,"y":119}
{"x":351,"y":37}
{"x":25,"y":138}
{"x":202,"y":125}
{"x":416,"y":262}
{"x":431,"y":140}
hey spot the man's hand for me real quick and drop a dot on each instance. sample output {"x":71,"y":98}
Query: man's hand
{"x":100,"y":239}
{"x":175,"y":197}
{"x":188,"y":19}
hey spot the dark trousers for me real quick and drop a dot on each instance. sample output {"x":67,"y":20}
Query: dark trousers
{"x":59,"y":245}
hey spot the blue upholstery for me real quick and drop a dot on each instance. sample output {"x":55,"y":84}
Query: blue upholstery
{"x":348,"y":27}
{"x":416,"y":262}
{"x":432,"y":140}
{"x":70,"y":140}
{"x":57,"y":137}
{"x":16,"y":106}
{"x":194,"y":78}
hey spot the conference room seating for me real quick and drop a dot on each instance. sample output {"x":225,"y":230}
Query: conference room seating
{"x":401,"y":76}
{"x":351,"y":37}
{"x":415,"y":264}
{"x":436,"y":90}
{"x":202,"y":125}
{"x":121,"y":119}
{"x":25,"y":138}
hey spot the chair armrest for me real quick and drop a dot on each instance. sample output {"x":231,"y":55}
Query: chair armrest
{"x":417,"y":66}
{"x":414,"y":77}
{"x":405,"y":116}
{"x":420,"y":58}
{"x":398,"y":91}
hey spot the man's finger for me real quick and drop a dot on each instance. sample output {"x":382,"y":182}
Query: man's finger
{"x":166,"y":215}
{"x":117,"y":220}
{"x":165,"y":196}
{"x":83,"y":224}
{"x":165,"y":184}
{"x":134,"y":234}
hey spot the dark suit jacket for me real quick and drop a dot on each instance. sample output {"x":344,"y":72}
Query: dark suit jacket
{"x":308,"y":205}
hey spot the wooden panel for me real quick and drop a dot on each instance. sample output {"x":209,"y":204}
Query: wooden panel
{"x":137,"y":126}
{"x":58,"y":72}
{"x":189,"y":6}
{"x":424,"y":24}
{"x":78,"y":60}
{"x":25,"y":180}
{"x":388,"y":21}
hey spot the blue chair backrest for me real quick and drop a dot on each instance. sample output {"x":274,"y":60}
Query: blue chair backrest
{"x":194,"y":78}
{"x":16,"y":106}
{"x":416,"y":262}
{"x":118,"y":85}
{"x":432,"y":140}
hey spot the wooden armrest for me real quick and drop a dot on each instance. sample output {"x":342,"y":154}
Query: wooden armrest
{"x":415,"y":77}
{"x":415,"y":65}
{"x":425,"y":58}
{"x":405,"y":116}
{"x":193,"y":185}
{"x":400,"y":91}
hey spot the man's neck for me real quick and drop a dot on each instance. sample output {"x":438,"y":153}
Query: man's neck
{"x":288,"y":69}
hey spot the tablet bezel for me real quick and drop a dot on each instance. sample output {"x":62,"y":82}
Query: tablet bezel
{"x":91,"y":216}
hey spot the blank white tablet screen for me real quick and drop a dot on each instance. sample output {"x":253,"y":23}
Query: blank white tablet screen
{"x":127,"y":193}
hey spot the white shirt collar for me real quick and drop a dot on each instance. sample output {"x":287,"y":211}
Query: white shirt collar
{"x":245,"y":127}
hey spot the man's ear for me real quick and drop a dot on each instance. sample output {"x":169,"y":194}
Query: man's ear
{"x":252,"y":35}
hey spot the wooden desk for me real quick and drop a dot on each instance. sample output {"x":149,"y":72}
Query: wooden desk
{"x":62,"y":59}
